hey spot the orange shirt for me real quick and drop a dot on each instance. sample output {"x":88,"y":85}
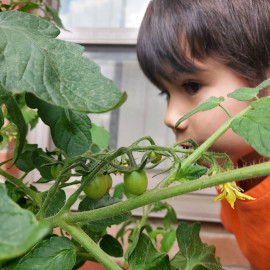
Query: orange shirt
{"x":250,"y":223}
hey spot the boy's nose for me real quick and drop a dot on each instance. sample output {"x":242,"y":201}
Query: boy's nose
{"x":172,"y":116}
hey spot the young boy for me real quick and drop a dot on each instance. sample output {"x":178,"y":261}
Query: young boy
{"x":194,"y":49}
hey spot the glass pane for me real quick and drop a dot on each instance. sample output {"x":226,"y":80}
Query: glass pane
{"x":103,"y":13}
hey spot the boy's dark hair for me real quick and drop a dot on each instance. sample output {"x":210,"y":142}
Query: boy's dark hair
{"x":236,"y":32}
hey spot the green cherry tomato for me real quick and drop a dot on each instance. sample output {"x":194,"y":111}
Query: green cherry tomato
{"x":55,"y":171}
{"x":136,"y":182}
{"x":97,"y":187}
{"x":154,"y":157}
{"x":109,"y":181}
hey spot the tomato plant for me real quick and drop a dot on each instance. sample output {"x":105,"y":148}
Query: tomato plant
{"x":63,"y":103}
{"x":136,"y":182}
{"x":56,"y":170}
{"x":109,"y":181}
{"x":97,"y":187}
{"x":154,"y":157}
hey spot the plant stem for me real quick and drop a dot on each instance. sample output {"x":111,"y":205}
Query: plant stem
{"x":82,"y":238}
{"x":123,"y":150}
{"x":147,"y":138}
{"x":6,"y":161}
{"x":73,"y":198}
{"x":69,"y":184}
{"x":55,"y":187}
{"x":50,"y":194}
{"x":164,"y":193}
{"x":167,"y":180}
{"x":86,"y":256}
{"x":203,"y":147}
{"x":28,"y":191}
{"x":226,"y":111}
{"x":137,"y":229}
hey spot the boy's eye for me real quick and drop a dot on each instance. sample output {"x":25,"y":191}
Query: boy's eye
{"x":192,"y":87}
{"x":165,"y":93}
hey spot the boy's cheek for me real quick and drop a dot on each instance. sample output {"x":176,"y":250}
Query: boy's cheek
{"x":233,"y":145}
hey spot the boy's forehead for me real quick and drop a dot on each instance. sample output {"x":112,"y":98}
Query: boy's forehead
{"x":205,"y":65}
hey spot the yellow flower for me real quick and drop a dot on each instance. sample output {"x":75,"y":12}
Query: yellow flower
{"x":230,"y":192}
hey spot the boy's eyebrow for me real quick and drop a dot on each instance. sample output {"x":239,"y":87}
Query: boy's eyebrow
{"x":179,"y":75}
{"x":194,"y":71}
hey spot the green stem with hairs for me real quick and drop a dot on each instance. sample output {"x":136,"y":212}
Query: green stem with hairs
{"x":161,"y":194}
{"x":83,"y":239}
{"x":18,"y":182}
{"x":203,"y":147}
{"x":73,"y":198}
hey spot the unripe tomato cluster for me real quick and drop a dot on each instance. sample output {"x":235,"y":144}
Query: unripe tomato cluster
{"x":135,"y":183}
{"x":56,"y":170}
{"x":98,"y":186}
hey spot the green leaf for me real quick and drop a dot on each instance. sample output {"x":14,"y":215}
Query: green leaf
{"x":13,"y":191}
{"x":56,"y":203}
{"x":28,"y":6}
{"x":52,"y":69}
{"x":254,"y":126}
{"x":53,"y":12}
{"x":16,"y":117}
{"x":111,"y":246}
{"x":19,"y":228}
{"x":70,"y":130}
{"x":246,"y":93}
{"x":4,"y":6}
{"x":193,"y":253}
{"x":55,"y":253}
{"x":30,"y":116}
{"x":168,"y":240}
{"x":96,"y":236}
{"x":133,"y":241}
{"x":159,"y":206}
{"x":90,"y":204}
{"x":1,"y":118}
{"x":1,"y":123}
{"x":43,"y":180}
{"x":146,"y":257}
{"x":206,"y":105}
{"x":39,"y":162}
{"x":119,"y":191}
{"x":100,"y":136}
{"x":120,"y":234}
{"x":179,"y":262}
{"x":18,"y":196}
{"x":191,"y":172}
{"x":170,"y":215}
{"x":25,"y":162}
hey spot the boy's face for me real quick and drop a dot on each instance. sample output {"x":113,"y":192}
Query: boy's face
{"x":189,"y":90}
